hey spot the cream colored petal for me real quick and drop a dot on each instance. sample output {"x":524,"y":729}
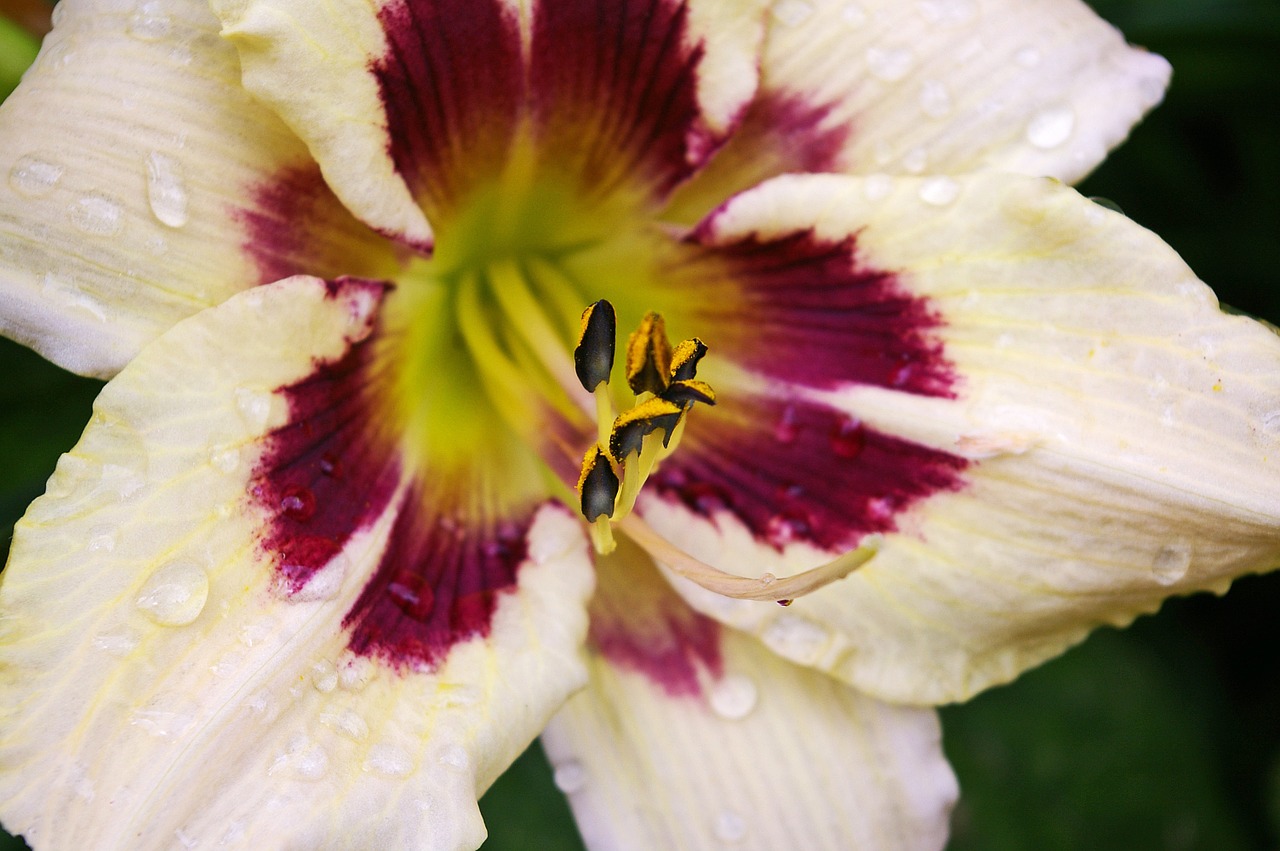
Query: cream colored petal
{"x":754,"y":753}
{"x":134,"y":167}
{"x":937,"y":87}
{"x":947,"y":86}
{"x":312,"y":63}
{"x":1121,"y":436}
{"x":164,"y":685}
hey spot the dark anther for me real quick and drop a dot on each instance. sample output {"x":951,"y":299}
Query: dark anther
{"x":598,"y":485}
{"x":593,"y":357}
{"x":685,"y":358}
{"x":630,"y":428}
{"x":649,"y":356}
{"x":684,"y":393}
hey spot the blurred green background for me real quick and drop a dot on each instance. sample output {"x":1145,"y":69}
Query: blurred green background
{"x":1163,"y":736}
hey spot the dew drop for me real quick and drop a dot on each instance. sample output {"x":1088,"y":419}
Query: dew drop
{"x":733,"y":697}
{"x":889,"y":64}
{"x":324,"y":584}
{"x":786,"y":527}
{"x":258,"y":631}
{"x":324,"y":676}
{"x":915,"y":160}
{"x":729,"y":827}
{"x":298,"y":504}
{"x":877,"y":187}
{"x":389,"y":761}
{"x":939,"y":191}
{"x":793,"y":13}
{"x":330,"y":466}
{"x":225,"y":459}
{"x":853,"y":15}
{"x":263,"y":707}
{"x":117,"y":643}
{"x":787,"y":427}
{"x":935,"y":100}
{"x":412,"y":595}
{"x":97,"y":214}
{"x":301,"y":759}
{"x":1027,"y":57}
{"x":166,"y":190}
{"x":102,"y":538}
{"x":1050,"y":127}
{"x":175,"y":594}
{"x":355,"y":674}
{"x":455,"y":757}
{"x":149,"y":22}
{"x":848,"y":438}
{"x":346,"y":723}
{"x":1271,"y":422}
{"x":165,"y":718}
{"x":33,"y":177}
{"x":1171,"y":562}
{"x":228,"y":664}
{"x":570,"y":777}
{"x":254,"y":407}
{"x":796,"y":638}
{"x":947,"y":12}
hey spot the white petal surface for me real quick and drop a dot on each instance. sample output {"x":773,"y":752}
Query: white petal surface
{"x":131,"y":155}
{"x":937,"y":87}
{"x":161,"y":688}
{"x":760,"y":754}
{"x":1122,"y":436}
{"x":948,"y":86}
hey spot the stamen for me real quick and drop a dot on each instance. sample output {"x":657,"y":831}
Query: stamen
{"x":649,"y":356}
{"x":767,"y":587}
{"x":593,"y":356}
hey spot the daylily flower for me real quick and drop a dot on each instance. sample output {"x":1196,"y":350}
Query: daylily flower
{"x":317,"y":571}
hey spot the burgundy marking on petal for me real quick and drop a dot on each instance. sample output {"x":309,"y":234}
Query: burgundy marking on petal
{"x":452,"y":83}
{"x":326,"y":473}
{"x":800,"y":471}
{"x":438,"y":582}
{"x":781,"y":133}
{"x":614,"y":84}
{"x":640,"y":624}
{"x":809,"y":312}
{"x":294,"y":225}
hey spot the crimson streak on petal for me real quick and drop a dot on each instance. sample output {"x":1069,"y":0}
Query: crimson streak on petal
{"x":614,"y":83}
{"x":801,"y":472}
{"x":331,"y":471}
{"x":808,"y":311}
{"x":640,"y":624}
{"x":451,"y":84}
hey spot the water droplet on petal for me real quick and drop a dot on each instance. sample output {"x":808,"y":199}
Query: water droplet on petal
{"x":733,"y":697}
{"x":877,"y":187}
{"x":324,"y":676}
{"x":175,"y":594}
{"x":254,"y":407}
{"x":787,"y":526}
{"x":455,"y":757}
{"x":1027,"y":57}
{"x":33,"y":177}
{"x":1171,"y":562}
{"x":1050,"y":127}
{"x":258,"y":631}
{"x":915,"y":160}
{"x":346,"y":723}
{"x":849,"y":438}
{"x":939,"y":191}
{"x":301,"y":759}
{"x":166,"y":190}
{"x":102,"y":538}
{"x":263,"y":707}
{"x":729,"y":827}
{"x":935,"y":100}
{"x":793,"y":13}
{"x":97,"y":214}
{"x":853,"y":15}
{"x":787,"y":426}
{"x":117,"y":643}
{"x":389,"y":761}
{"x":570,"y":777}
{"x":225,"y":458}
{"x":947,"y":12}
{"x":355,"y":673}
{"x":889,"y":64}
{"x":165,"y":717}
{"x":796,"y":638}
{"x":149,"y":22}
{"x":412,"y":595}
{"x":298,"y":504}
